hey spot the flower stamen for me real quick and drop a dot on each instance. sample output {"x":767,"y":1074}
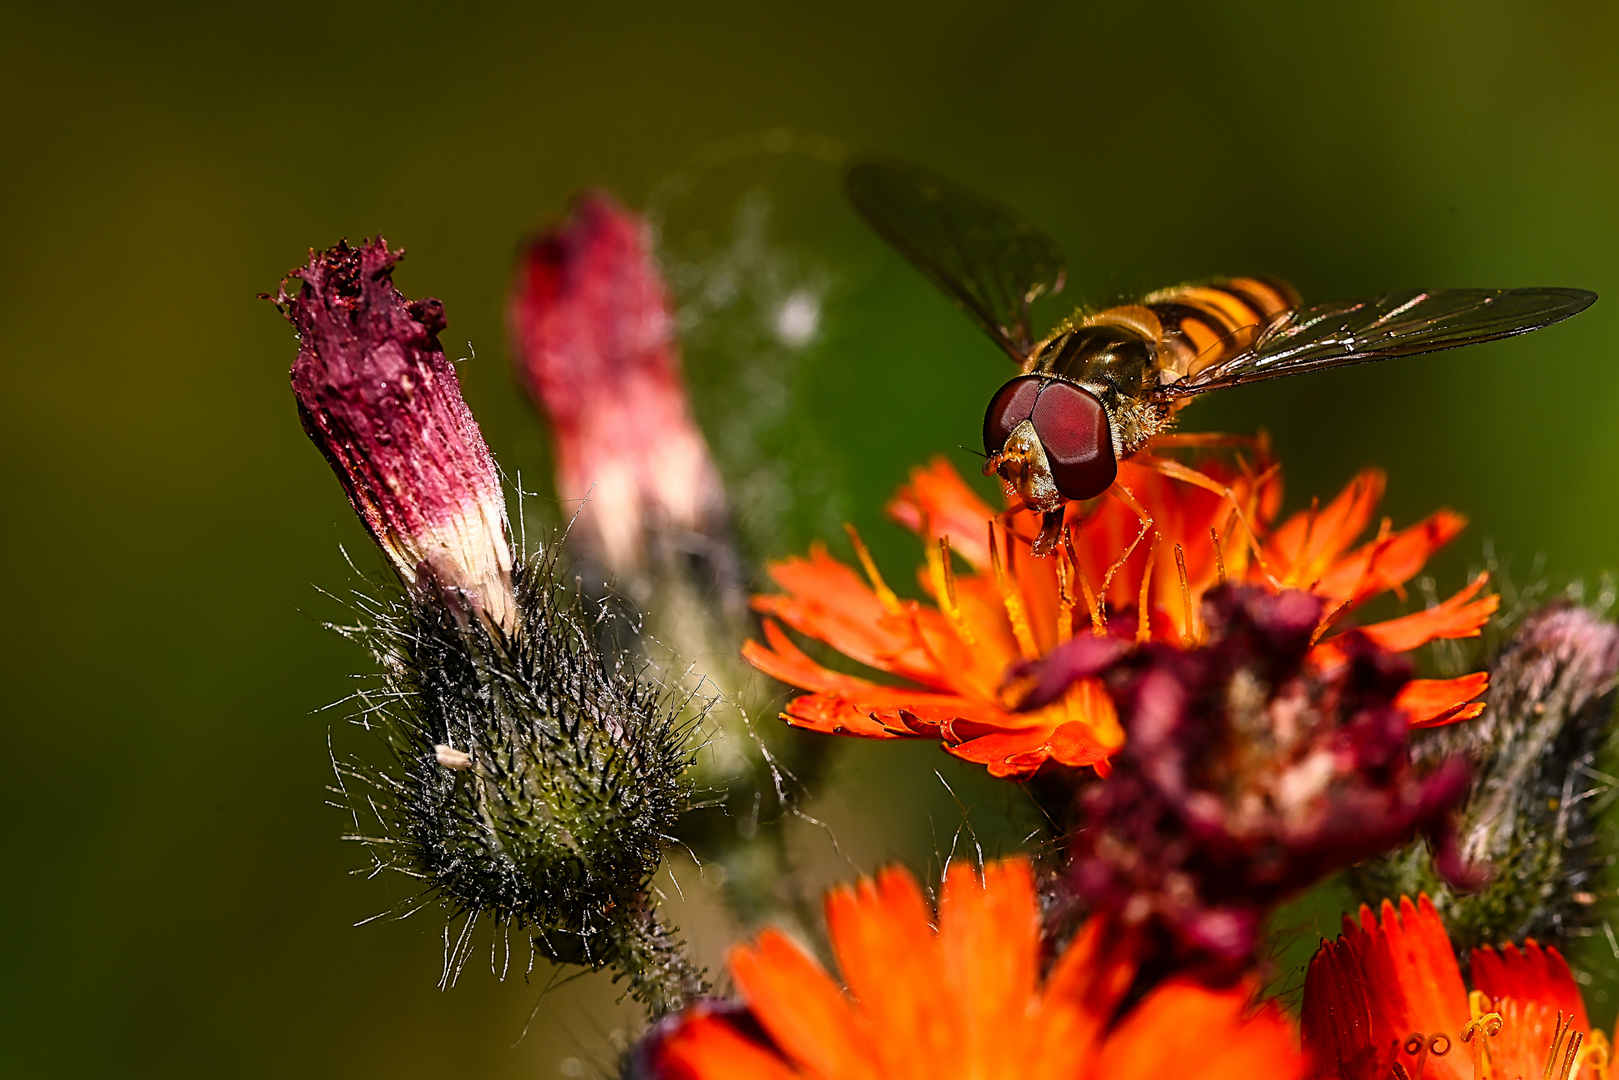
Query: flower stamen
{"x":1065,"y":592}
{"x":886,"y":595}
{"x":1098,"y":615}
{"x":1219,"y":555}
{"x":1190,"y":634}
{"x":1144,"y":618}
{"x":1174,"y":470}
{"x":1012,"y":598}
{"x":943,"y":576}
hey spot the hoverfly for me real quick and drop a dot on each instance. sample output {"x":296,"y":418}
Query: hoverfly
{"x":1097,"y":388}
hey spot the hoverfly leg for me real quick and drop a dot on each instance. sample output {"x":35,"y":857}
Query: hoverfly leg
{"x":1181,"y":440}
{"x":1051,"y":524}
{"x":1174,"y":470}
{"x":1128,"y":498}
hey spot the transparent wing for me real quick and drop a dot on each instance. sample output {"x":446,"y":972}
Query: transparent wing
{"x":1398,"y":324}
{"x":990,"y":261}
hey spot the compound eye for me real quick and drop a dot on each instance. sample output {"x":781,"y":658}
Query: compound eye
{"x":1073,"y":429}
{"x":1011,"y":405}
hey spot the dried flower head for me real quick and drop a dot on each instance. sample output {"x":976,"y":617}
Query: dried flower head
{"x":533,"y":778}
{"x":594,"y":342}
{"x":1247,"y":773}
{"x":379,"y":399}
{"x":962,"y":995}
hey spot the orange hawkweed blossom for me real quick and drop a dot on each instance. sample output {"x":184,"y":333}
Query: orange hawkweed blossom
{"x":965,"y":1000}
{"x":1387,"y":1000}
{"x":1114,"y":575}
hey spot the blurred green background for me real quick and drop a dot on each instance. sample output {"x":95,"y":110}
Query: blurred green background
{"x":176,"y":890}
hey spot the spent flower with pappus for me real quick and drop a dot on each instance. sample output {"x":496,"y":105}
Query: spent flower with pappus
{"x":966,"y":992}
{"x":593,"y":337}
{"x":1134,"y":564}
{"x":594,"y":341}
{"x":534,"y":779}
{"x":1386,"y":999}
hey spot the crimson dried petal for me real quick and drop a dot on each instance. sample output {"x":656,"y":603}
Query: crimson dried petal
{"x":381,"y":401}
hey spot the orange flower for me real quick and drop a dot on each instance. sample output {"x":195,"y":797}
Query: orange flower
{"x":1115,"y":575}
{"x":1387,"y":1000}
{"x":965,"y":1000}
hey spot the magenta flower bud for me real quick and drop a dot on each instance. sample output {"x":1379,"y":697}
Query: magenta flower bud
{"x":594,"y":343}
{"x":380,"y":400}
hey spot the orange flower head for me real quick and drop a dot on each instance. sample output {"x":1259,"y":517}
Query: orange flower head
{"x":1387,"y":1000}
{"x":1135,"y":564}
{"x":959,"y":994}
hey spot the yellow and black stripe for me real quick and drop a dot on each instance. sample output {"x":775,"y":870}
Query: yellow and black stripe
{"x":1194,"y":319}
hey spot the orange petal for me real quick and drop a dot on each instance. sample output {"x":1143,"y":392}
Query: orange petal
{"x":1374,"y":986}
{"x":1185,"y":1030}
{"x":1082,"y":992}
{"x":1424,"y":966}
{"x":828,"y":600}
{"x":1387,"y":563}
{"x":990,"y":938}
{"x":801,"y":1008}
{"x":1306,"y":544}
{"x":1534,"y":974}
{"x":938,"y":497}
{"x":709,"y":1047}
{"x":1521,"y":1047}
{"x":787,"y":662}
{"x":1433,"y":702}
{"x":882,"y":934}
{"x":849,"y":705}
{"x":1454,"y":618}
{"x":832,"y":714}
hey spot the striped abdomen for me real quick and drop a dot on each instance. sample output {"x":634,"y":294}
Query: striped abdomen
{"x":1194,"y":320}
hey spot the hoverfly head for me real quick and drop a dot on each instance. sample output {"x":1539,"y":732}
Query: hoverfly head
{"x":1050,"y":440}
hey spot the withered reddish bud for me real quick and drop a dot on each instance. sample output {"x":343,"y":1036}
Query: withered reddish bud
{"x":1246,"y":775}
{"x":381,"y":401}
{"x":594,"y":343}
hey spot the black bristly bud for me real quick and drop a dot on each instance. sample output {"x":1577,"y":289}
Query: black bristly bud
{"x":1531,"y":813}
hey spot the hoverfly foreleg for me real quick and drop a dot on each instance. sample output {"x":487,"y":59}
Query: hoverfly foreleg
{"x":1174,"y":470}
{"x":1128,"y":498}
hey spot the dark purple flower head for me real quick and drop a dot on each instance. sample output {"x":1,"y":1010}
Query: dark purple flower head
{"x":378,"y":397}
{"x":1246,"y":774}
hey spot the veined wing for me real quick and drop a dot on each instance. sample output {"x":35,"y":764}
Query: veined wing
{"x":990,"y":261}
{"x":1398,"y":324}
